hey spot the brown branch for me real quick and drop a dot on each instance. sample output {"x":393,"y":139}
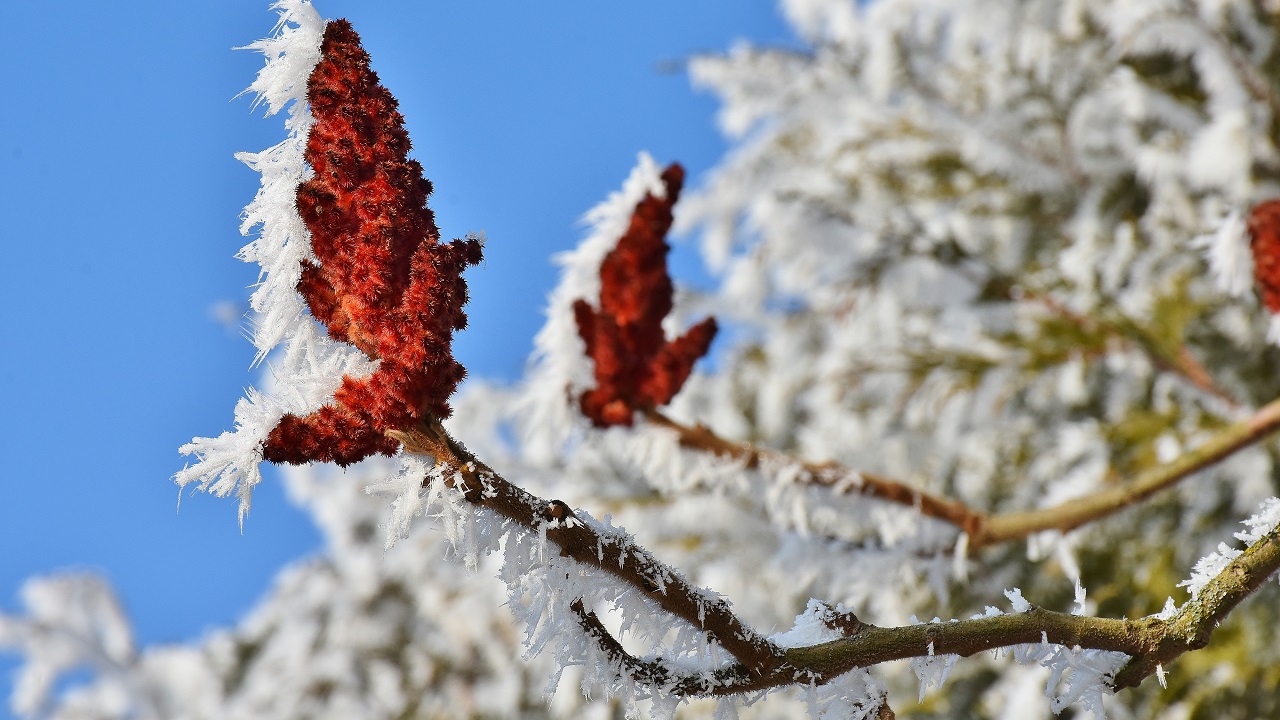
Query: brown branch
{"x":983,"y":528}
{"x":1151,"y":642}
{"x":617,"y":555}
{"x":655,"y":673}
{"x":1072,"y":514}
{"x":761,"y":665}
{"x":875,"y":645}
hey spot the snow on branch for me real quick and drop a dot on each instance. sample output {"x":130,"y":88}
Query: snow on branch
{"x":1088,"y":654}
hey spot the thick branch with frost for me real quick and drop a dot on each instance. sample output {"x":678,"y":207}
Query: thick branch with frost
{"x":1150,"y":643}
{"x":617,"y":555}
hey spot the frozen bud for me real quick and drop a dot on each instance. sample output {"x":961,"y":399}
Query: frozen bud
{"x":384,"y":281}
{"x":636,"y":367}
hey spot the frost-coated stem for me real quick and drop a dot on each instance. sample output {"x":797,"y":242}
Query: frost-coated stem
{"x":618,"y":555}
{"x":873,"y":645}
{"x":656,"y":673}
{"x":1192,"y":626}
{"x":983,"y":528}
{"x":1151,"y":642}
{"x":701,"y":437}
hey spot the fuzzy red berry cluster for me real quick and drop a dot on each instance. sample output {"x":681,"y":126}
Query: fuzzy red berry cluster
{"x":384,"y":283}
{"x":636,"y":367}
{"x":1264,"y":239}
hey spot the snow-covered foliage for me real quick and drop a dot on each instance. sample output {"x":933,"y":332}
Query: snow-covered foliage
{"x":993,"y":250}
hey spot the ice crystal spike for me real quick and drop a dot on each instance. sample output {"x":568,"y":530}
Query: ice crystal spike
{"x":384,"y":281}
{"x":1264,"y":236}
{"x":636,"y":367}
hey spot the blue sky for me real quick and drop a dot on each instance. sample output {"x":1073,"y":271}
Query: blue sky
{"x":120,"y":212}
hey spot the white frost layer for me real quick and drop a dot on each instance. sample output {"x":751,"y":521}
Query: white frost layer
{"x":810,"y":628}
{"x":311,"y":366}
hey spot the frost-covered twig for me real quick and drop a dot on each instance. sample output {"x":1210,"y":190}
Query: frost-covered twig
{"x":655,"y":672}
{"x":618,"y":555}
{"x":991,"y":529}
{"x":701,"y":437}
{"x":1193,"y":625}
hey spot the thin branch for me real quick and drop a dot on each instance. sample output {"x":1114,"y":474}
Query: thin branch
{"x":1151,"y":642}
{"x":875,"y":645}
{"x":987,"y":529}
{"x":700,"y":437}
{"x":655,"y":673}
{"x":1072,"y":514}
